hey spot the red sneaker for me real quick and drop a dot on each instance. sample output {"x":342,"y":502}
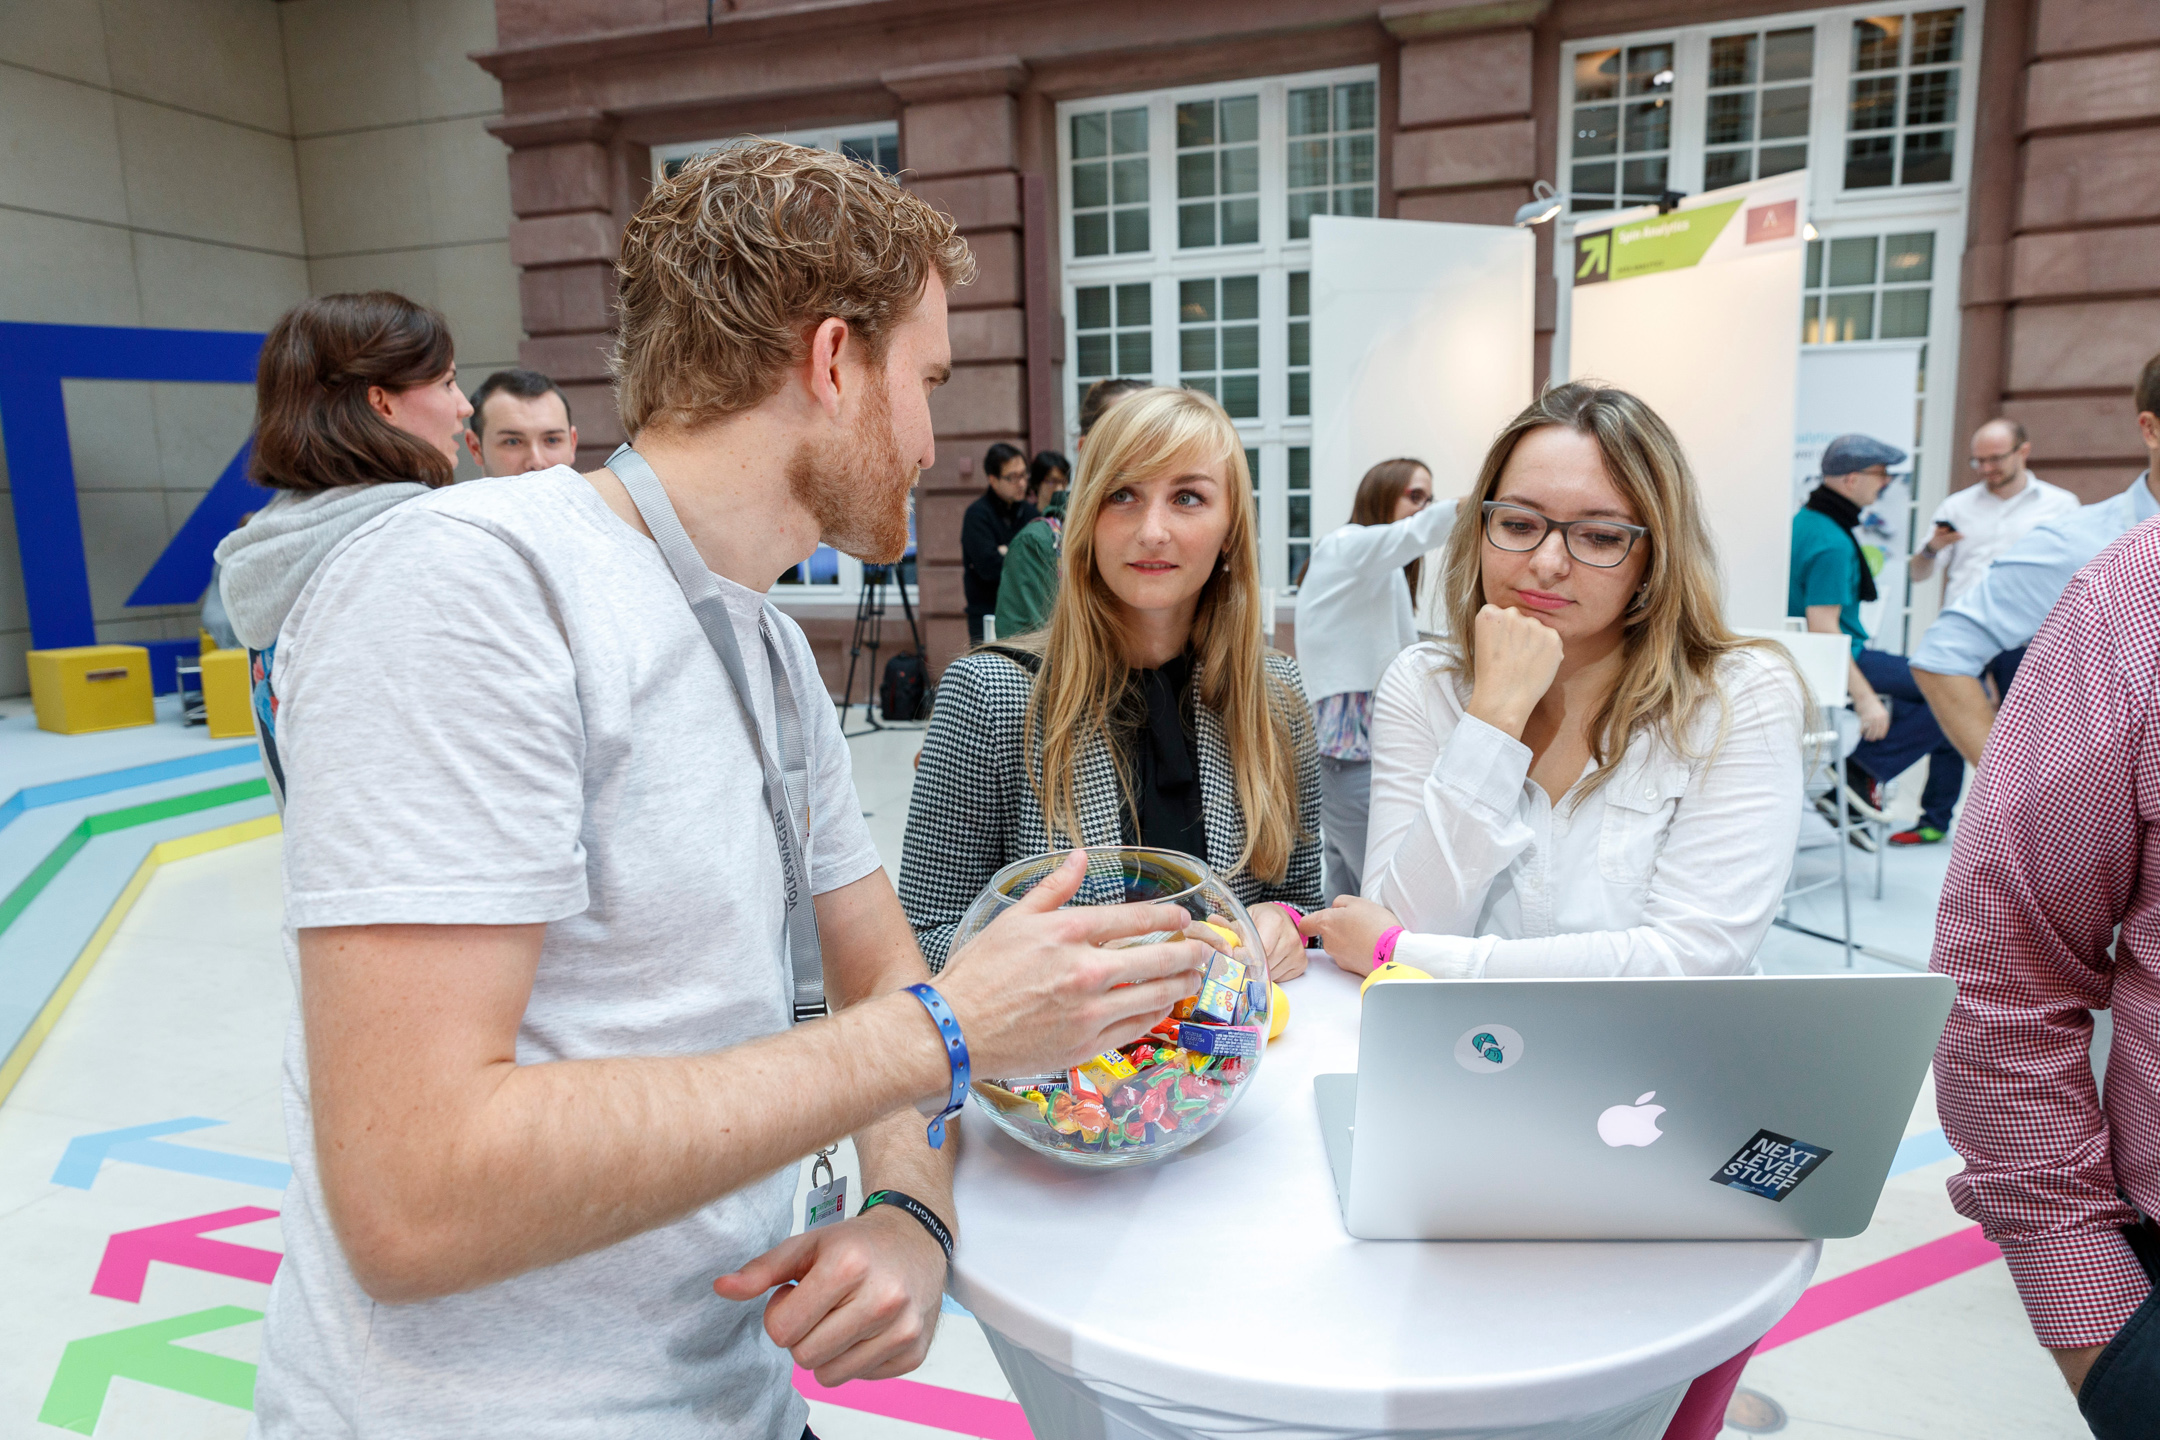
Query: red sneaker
{"x":1919,"y":835}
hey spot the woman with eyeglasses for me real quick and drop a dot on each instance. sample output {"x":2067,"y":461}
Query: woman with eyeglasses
{"x":1593,"y":776}
{"x":1354,"y":615}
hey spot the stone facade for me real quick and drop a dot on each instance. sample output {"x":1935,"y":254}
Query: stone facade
{"x":206,"y":165}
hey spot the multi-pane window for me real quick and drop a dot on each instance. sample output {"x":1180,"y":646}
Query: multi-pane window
{"x":875,"y":143}
{"x":1218,"y":171}
{"x":1623,"y":125}
{"x":1873,"y":287}
{"x":1297,"y":519}
{"x":1112,"y":335}
{"x":1110,"y":181}
{"x":1299,"y":345}
{"x":1902,"y":116}
{"x":1756,"y":124}
{"x":1868,"y":287}
{"x":1331,"y":152}
{"x":1219,"y":341}
{"x":1208,"y":284}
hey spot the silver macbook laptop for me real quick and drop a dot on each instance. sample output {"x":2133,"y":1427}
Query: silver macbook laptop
{"x":1742,"y":1108}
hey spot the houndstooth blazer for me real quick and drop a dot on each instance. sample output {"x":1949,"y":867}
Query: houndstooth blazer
{"x":974,"y":812}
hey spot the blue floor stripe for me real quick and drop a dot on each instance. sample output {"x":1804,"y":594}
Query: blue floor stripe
{"x":59,"y":792}
{"x":1925,"y":1148}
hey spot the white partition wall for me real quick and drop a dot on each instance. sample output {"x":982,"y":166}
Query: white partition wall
{"x":1421,"y":346}
{"x":1867,"y":388}
{"x":1698,"y":312}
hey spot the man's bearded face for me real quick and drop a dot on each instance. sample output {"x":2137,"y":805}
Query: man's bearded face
{"x":858,"y":486}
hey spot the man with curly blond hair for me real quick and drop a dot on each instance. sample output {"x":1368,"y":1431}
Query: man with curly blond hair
{"x":570,"y":835}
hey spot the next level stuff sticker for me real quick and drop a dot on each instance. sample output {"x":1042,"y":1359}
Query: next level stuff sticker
{"x":1771,"y":1165}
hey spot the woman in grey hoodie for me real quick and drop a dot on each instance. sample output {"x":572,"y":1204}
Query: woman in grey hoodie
{"x":357,"y":409}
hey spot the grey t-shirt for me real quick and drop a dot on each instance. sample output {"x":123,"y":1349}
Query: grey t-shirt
{"x":498,"y":709}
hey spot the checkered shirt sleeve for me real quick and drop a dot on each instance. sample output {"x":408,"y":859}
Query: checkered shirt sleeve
{"x":2056,"y":849}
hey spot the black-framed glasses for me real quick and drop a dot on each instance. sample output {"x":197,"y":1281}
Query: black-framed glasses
{"x":1602,"y":543}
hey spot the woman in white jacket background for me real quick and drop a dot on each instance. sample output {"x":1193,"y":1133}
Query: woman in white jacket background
{"x":1354,"y":615}
{"x":1593,"y":776}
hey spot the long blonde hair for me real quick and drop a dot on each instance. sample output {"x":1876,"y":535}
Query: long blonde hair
{"x":1675,"y":634}
{"x":1084,"y":673}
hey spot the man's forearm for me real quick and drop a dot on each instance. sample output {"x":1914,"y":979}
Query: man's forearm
{"x":1923,"y":563}
{"x":538,"y":1163}
{"x":1961,"y":708}
{"x":1856,"y":682}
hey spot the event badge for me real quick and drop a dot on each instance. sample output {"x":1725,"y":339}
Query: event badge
{"x":827,"y":1202}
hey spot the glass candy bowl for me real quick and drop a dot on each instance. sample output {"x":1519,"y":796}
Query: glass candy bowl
{"x":1157,"y":1095}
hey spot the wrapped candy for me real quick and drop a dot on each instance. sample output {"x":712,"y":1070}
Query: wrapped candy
{"x":1219,"y":1039}
{"x":1221,"y":992}
{"x":1165,"y":1088}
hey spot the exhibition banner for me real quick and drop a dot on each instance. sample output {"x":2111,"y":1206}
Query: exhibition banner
{"x":1697,"y":311}
{"x":1421,"y":346}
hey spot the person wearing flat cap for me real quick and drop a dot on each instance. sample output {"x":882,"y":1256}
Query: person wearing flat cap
{"x":1830,"y":577}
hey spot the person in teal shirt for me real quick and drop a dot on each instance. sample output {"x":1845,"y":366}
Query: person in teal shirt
{"x":1829,"y":580}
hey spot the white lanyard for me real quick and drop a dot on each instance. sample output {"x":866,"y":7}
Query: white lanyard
{"x":787,"y":780}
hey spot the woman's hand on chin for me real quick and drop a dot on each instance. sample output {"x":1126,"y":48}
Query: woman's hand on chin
{"x":1349,"y":929}
{"x":1279,"y":941}
{"x":1516,"y":659}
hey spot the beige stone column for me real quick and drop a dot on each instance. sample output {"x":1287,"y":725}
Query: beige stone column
{"x":959,"y":144}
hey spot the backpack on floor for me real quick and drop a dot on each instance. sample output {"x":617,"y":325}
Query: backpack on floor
{"x":905,"y":692}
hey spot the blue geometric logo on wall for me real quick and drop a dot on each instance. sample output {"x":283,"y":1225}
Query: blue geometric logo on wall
{"x":34,"y":359}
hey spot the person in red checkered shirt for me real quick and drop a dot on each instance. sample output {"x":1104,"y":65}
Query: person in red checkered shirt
{"x":2059,"y":847}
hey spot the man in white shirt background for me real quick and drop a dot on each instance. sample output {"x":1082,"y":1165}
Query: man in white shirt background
{"x":1980,"y":522}
{"x":2002,"y":612}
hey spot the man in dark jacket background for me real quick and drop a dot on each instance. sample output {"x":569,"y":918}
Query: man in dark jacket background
{"x":988,"y":528}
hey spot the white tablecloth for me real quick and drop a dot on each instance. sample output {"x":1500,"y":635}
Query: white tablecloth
{"x":1217,"y":1293}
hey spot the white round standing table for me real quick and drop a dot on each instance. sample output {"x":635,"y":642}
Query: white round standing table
{"x":1217,"y":1294}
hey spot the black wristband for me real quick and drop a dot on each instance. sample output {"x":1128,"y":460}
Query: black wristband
{"x":924,"y":1215}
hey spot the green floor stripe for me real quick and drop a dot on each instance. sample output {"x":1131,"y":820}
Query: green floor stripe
{"x":33,"y":884}
{"x":166,"y":809}
{"x":20,"y":897}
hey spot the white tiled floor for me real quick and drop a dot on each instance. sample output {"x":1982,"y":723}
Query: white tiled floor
{"x":185,"y":1015}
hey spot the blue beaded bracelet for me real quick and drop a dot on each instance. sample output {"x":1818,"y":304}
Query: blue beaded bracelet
{"x":956,"y":1055}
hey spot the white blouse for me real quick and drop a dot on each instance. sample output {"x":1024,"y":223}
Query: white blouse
{"x":1673,"y":867}
{"x":1353,"y":609}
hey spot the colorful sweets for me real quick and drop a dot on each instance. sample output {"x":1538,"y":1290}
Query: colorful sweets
{"x":1150,"y":1096}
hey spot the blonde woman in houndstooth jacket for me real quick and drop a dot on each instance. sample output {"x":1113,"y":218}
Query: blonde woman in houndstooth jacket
{"x":1147,"y":712}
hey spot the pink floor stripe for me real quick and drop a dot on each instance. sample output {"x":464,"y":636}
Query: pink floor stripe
{"x":1878,"y":1284}
{"x":933,"y":1405}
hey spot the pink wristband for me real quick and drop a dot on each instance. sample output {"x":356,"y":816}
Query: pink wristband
{"x":1297,"y":916}
{"x":1383,"y":949}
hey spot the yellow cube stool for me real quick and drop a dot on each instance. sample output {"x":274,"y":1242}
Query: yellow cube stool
{"x":91,"y":687}
{"x":227,"y":704}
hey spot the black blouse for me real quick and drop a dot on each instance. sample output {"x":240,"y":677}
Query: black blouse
{"x":1160,"y":756}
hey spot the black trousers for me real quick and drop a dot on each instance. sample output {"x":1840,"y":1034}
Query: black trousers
{"x":2120,"y":1398}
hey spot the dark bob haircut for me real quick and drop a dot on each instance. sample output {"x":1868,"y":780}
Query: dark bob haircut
{"x":314,"y":428}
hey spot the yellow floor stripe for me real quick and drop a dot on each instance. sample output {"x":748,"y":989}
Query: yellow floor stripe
{"x":162,"y":853}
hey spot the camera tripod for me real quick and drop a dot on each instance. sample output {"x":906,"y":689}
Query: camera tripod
{"x":869,"y":635}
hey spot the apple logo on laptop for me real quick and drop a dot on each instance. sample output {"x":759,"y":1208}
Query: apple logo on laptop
{"x":1634,"y":1124}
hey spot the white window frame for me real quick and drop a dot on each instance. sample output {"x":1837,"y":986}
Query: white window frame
{"x":1164,"y":264}
{"x":848,"y":588}
{"x":1833,"y":211}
